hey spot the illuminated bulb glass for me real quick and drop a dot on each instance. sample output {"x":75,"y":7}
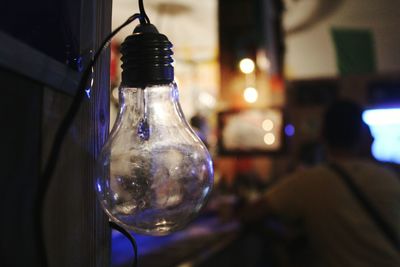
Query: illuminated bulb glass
{"x":246,"y":65}
{"x":154,"y":174}
{"x":250,"y":95}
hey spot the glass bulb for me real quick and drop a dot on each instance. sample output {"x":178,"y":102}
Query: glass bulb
{"x":154,"y":174}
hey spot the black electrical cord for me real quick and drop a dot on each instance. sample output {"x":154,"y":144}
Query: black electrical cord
{"x":128,"y":235}
{"x":47,"y":174}
{"x":144,"y":18}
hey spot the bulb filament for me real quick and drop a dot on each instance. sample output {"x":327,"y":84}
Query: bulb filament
{"x":143,"y":127}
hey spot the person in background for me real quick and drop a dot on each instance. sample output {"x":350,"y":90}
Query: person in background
{"x":309,"y":154}
{"x":339,"y":230}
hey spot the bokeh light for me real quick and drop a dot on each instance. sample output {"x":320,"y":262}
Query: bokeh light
{"x":269,"y":138}
{"x":267,"y":125}
{"x":289,"y":130}
{"x":250,"y":94}
{"x":246,"y":65}
{"x":385,"y":128}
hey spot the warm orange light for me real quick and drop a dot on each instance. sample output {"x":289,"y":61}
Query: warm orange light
{"x":246,"y":65}
{"x":250,"y":94}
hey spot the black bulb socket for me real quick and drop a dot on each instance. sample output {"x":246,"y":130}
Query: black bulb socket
{"x":146,"y":58}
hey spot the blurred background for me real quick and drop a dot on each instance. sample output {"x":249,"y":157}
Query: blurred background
{"x":254,"y":77}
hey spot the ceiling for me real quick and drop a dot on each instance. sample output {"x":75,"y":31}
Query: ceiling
{"x":191,"y":25}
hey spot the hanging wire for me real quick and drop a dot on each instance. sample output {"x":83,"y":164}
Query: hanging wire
{"x":131,"y":239}
{"x":144,"y":19}
{"x":58,"y":140}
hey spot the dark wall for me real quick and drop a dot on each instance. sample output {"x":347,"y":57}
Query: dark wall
{"x":20,"y":142}
{"x":52,"y":27}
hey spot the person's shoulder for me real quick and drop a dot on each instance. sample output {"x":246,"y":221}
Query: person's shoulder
{"x":304,"y":176}
{"x":377,"y":167}
{"x":283,"y":197}
{"x":370,"y":171}
{"x":312,"y":172}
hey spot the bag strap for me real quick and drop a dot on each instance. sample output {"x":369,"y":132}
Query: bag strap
{"x":385,"y":228}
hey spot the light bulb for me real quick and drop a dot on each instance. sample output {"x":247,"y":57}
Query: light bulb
{"x":154,"y":174}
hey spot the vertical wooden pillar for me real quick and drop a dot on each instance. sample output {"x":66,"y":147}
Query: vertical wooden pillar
{"x":37,"y":87}
{"x":77,"y":232}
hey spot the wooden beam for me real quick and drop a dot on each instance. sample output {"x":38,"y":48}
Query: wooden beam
{"x":29,"y":62}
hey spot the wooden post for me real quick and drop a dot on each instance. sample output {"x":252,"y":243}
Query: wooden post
{"x":36,"y":91}
{"x":78,"y":233}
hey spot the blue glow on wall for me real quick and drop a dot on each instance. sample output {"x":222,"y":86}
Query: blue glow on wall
{"x":385,"y":128}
